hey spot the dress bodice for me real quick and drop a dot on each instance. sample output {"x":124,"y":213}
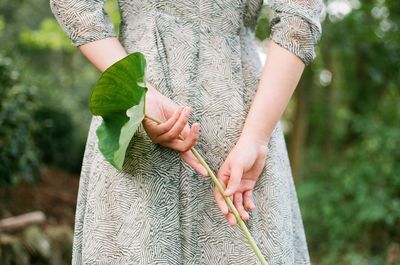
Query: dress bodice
{"x":225,"y":16}
{"x":295,"y":24}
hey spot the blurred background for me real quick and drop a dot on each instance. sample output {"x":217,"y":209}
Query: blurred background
{"x":342,"y":129}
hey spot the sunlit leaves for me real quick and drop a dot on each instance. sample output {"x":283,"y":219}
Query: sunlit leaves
{"x":48,"y":36}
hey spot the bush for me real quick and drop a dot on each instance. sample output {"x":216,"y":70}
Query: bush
{"x":54,"y":136}
{"x":32,"y":131}
{"x":351,"y":203}
{"x":18,"y":153}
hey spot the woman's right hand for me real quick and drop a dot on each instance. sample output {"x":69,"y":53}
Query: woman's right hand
{"x":174,"y":122}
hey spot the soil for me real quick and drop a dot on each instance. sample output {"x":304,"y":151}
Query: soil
{"x":54,"y":194}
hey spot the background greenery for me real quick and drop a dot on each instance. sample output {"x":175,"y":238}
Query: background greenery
{"x":342,"y":125}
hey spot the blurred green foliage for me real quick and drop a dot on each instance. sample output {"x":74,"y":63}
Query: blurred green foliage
{"x":44,"y":115}
{"x":342,"y":125}
{"x":49,"y":36}
{"x":345,"y":136}
{"x":18,"y":153}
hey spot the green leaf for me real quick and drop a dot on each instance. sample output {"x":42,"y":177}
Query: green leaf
{"x":119,"y":98}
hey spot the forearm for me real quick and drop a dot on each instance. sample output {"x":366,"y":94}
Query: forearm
{"x":103,"y":53}
{"x":279,"y":78}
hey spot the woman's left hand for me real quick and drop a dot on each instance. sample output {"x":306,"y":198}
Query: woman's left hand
{"x":239,"y":174}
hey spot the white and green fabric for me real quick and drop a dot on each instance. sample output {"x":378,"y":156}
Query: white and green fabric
{"x":158,"y":210}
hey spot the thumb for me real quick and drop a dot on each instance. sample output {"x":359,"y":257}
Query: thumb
{"x":234,"y":179}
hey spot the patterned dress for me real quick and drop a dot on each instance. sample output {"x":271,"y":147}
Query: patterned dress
{"x":158,"y":210}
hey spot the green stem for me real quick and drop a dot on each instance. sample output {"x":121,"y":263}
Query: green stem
{"x":227,"y":200}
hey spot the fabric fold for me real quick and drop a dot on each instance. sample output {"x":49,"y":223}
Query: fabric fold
{"x":83,"y":21}
{"x":296,"y":26}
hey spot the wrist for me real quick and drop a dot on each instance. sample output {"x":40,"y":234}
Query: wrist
{"x":247,"y":136}
{"x":150,"y":88}
{"x":152,"y":94}
{"x":258,"y":132}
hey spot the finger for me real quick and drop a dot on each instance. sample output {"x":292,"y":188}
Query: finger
{"x":238,"y":202}
{"x":190,"y":141}
{"x":186,"y":131}
{"x":151,"y":129}
{"x":167,"y":125}
{"x":234,"y":179}
{"x":176,"y":129}
{"x":192,"y":161}
{"x":231,"y":219}
{"x":223,"y":178}
{"x":185,"y":145}
{"x":154,"y":129}
{"x":222,"y":174}
{"x":248,"y":200}
{"x":182,"y":123}
{"x":220,"y":202}
{"x":149,"y":124}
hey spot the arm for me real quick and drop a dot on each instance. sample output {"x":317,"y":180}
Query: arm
{"x":295,"y":30}
{"x":281,"y":73}
{"x":89,"y":28}
{"x":103,"y":53}
{"x":240,"y":170}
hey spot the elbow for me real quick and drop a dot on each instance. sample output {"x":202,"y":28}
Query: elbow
{"x":54,"y":7}
{"x":82,"y":22}
{"x":296,"y":35}
{"x":297,"y":29}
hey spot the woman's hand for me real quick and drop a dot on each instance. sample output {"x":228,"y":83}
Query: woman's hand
{"x":239,"y":174}
{"x":175,"y":121}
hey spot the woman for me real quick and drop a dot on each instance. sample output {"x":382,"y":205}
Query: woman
{"x":200,"y":54}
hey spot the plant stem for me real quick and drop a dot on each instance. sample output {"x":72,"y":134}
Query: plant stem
{"x":228,"y":201}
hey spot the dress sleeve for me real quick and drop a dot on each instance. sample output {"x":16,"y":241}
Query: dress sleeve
{"x":83,"y":20}
{"x":296,"y":26}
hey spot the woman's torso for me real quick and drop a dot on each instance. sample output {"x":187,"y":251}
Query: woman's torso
{"x":225,"y":16}
{"x":201,"y":54}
